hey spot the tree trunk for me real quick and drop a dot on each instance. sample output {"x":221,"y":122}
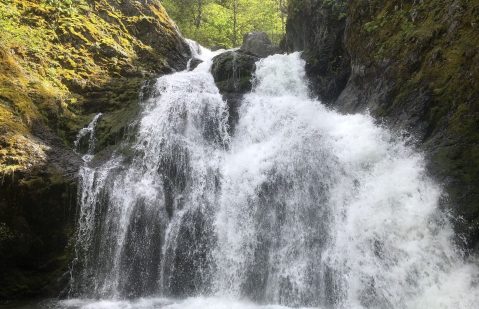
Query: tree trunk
{"x":199,"y":14}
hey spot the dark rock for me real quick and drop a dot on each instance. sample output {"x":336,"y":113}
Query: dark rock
{"x":194,"y":63}
{"x":317,"y":28}
{"x":259,"y":45}
{"x":233,"y":73}
{"x":37,"y":210}
{"x":218,"y":47}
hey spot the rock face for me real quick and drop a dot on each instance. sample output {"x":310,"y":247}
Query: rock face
{"x":317,"y":28}
{"x":259,"y":45}
{"x":415,"y":66}
{"x":60,"y":65}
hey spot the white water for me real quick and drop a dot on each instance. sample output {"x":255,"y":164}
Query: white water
{"x":87,"y":136}
{"x":301,"y":207}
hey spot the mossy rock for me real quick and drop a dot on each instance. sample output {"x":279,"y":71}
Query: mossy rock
{"x":60,"y":65}
{"x":233,"y":71}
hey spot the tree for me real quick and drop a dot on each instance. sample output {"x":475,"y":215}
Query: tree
{"x":223,"y":22}
{"x":283,"y":11}
{"x":235,"y":22}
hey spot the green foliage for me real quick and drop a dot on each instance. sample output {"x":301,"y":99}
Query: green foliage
{"x":224,"y":22}
{"x":60,"y":3}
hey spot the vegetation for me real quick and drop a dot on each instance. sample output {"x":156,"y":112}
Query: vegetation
{"x":224,"y":22}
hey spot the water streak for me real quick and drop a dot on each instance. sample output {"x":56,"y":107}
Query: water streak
{"x":85,"y":141}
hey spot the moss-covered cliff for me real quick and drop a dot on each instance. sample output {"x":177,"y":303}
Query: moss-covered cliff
{"x":415,"y":66}
{"x":61,"y":63}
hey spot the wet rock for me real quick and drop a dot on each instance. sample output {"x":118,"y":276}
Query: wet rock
{"x":96,"y":62}
{"x":233,"y":71}
{"x":218,"y":47}
{"x":317,"y":28}
{"x":233,"y":74}
{"x":259,"y":45}
{"x":194,"y":63}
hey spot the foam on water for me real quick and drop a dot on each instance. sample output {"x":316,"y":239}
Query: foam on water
{"x":163,"y":303}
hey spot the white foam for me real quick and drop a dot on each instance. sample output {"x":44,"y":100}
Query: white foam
{"x":164,"y":303}
{"x":309,"y":207}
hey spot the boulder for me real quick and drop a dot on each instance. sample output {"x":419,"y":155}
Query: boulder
{"x":233,"y":73}
{"x":259,"y":44}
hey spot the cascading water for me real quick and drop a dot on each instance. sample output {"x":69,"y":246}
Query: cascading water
{"x":85,"y":141}
{"x":301,"y":207}
{"x":145,"y":220}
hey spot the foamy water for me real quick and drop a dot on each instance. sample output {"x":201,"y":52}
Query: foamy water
{"x":301,"y":207}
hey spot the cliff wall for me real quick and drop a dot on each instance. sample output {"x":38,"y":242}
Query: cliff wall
{"x":414,"y":65}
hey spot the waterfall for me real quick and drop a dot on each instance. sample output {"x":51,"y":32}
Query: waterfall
{"x":302,"y":206}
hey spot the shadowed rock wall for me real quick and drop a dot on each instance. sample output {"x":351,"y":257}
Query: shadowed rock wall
{"x":414,"y":65}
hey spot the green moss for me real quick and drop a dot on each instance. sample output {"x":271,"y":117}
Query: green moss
{"x":58,"y":50}
{"x":115,"y":125}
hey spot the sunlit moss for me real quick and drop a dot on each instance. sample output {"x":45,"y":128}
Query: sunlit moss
{"x":52,"y":51}
{"x":61,"y":62}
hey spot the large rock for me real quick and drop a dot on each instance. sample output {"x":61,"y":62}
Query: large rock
{"x":233,"y":70}
{"x":194,"y":63}
{"x":259,"y":45}
{"x":415,"y":67}
{"x":233,"y":74}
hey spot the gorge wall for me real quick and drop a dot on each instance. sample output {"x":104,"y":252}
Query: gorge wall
{"x":414,"y":65}
{"x":61,"y":63}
